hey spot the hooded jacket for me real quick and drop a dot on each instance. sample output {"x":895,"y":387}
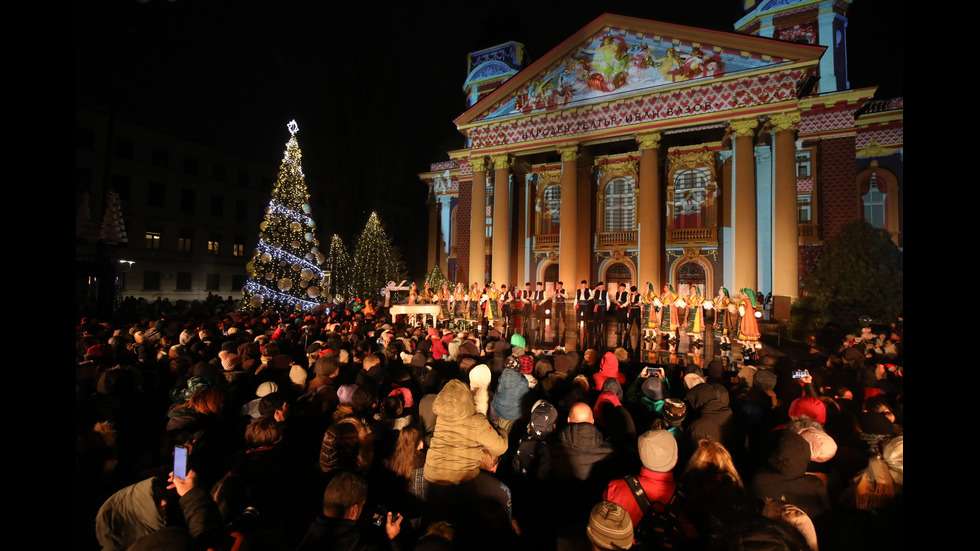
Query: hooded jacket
{"x":608,"y":368}
{"x":714,"y":416}
{"x":510,"y":390}
{"x":461,"y":434}
{"x":786,"y":478}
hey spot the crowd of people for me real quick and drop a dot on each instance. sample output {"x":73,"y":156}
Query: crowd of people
{"x":342,"y":430}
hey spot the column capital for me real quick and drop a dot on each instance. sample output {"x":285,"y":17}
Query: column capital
{"x":502,"y":161}
{"x":479,"y":164}
{"x":743,"y":128}
{"x":785,"y":122}
{"x":569,"y":152}
{"x":649,"y":141}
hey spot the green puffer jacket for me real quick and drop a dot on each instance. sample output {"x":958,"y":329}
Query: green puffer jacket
{"x":460,"y":436}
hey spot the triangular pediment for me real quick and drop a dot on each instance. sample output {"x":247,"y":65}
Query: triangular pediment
{"x":616,"y":57}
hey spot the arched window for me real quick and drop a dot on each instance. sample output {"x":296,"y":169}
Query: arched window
{"x":619,"y":273}
{"x":691,"y":274}
{"x":879,"y":191}
{"x":620,"y":207}
{"x":551,"y":206}
{"x":874,"y":202}
{"x":693,"y":198}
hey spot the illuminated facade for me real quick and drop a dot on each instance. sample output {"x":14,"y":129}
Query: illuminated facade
{"x":641,"y":151}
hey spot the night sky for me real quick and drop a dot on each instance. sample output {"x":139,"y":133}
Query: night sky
{"x":374,"y":89}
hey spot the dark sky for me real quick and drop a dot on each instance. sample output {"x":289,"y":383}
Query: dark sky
{"x":375,"y":89}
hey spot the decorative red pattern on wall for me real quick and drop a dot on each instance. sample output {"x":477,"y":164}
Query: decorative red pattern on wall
{"x":709,"y":98}
{"x":824,"y":120}
{"x":444,"y":165}
{"x":838,"y":200}
{"x":884,"y":135}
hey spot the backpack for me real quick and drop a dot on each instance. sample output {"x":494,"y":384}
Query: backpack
{"x":660,"y":527}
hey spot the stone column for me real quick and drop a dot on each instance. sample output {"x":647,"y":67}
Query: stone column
{"x":744,"y":246}
{"x":478,"y":222}
{"x":649,"y":212}
{"x":568,"y":236}
{"x":433,"y":231}
{"x":785,"y":223}
{"x":500,"y":259}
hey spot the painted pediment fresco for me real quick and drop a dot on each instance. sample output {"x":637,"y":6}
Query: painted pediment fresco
{"x":616,"y":62}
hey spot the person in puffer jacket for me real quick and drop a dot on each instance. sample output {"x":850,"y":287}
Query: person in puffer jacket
{"x":461,"y":434}
{"x":507,"y":400}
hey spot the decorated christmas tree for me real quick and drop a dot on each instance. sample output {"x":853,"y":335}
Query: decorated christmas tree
{"x":285,"y":273}
{"x":435,"y":278}
{"x":340,"y":270}
{"x":376,"y":260}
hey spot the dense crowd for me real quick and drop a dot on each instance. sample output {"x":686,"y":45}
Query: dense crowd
{"x":341,"y":430}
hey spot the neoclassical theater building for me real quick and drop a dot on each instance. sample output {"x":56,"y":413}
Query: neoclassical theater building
{"x":640,"y":151}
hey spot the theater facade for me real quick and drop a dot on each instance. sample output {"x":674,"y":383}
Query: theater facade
{"x":640,"y":151}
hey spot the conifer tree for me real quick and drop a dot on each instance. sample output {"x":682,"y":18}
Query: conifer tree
{"x":340,"y":269}
{"x":285,"y":272}
{"x":376,"y":260}
{"x":860,"y":273}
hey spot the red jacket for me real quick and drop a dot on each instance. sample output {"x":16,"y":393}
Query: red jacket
{"x":659,"y":487}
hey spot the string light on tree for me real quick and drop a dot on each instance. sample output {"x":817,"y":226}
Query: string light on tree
{"x":376,"y":260}
{"x":285,"y":272}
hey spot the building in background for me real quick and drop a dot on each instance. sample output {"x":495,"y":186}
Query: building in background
{"x":639,"y":151}
{"x":190,"y":212}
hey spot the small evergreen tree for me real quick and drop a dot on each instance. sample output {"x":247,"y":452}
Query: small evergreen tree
{"x":859,"y":273}
{"x":376,"y":261}
{"x":340,"y":269}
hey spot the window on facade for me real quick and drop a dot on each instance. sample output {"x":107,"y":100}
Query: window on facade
{"x":620,"y":212}
{"x":803,"y":208}
{"x":243,"y":179}
{"x":153,"y":240}
{"x":124,"y":148}
{"x":191,"y":165}
{"x":237,"y":282}
{"x":874,"y":203}
{"x":551,"y":217}
{"x":214,"y":245}
{"x":188,"y":200}
{"x":238,"y":249}
{"x":241,"y":209}
{"x":693,"y":200}
{"x":151,"y":280}
{"x":160,"y":157}
{"x":219,"y":173}
{"x":489,"y":210}
{"x":185,"y":240}
{"x":217,"y":205}
{"x":156,"y":195}
{"x":122,"y":185}
{"x":214,"y":282}
{"x":183,"y":281}
{"x":803,"y":164}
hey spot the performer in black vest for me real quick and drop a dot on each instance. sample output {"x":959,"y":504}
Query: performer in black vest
{"x":559,"y":307}
{"x":539,"y":312}
{"x":583,"y":295}
{"x":621,"y":306}
{"x":600,"y":303}
{"x":633,"y":318}
{"x":507,"y":309}
{"x":527,"y":302}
